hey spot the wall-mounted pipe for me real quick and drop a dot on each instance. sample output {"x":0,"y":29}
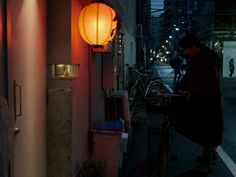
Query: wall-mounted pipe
{"x":4,"y":65}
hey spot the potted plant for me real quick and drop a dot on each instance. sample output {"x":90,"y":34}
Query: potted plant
{"x":93,"y":167}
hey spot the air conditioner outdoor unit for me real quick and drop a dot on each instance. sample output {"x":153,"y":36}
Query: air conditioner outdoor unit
{"x":117,"y":107}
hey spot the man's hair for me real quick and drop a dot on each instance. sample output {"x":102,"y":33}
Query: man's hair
{"x":189,"y":41}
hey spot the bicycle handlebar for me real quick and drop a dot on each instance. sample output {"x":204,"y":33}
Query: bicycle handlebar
{"x":169,"y":97}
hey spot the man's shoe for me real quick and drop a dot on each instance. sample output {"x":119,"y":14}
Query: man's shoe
{"x":206,"y":169}
{"x":201,"y":159}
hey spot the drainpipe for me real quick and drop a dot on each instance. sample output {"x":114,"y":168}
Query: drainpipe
{"x":90,"y":134}
{"x":4,"y":51}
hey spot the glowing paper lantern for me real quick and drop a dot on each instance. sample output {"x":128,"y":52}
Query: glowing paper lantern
{"x":97,"y":24}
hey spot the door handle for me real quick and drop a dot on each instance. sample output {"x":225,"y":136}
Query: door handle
{"x":16,"y":87}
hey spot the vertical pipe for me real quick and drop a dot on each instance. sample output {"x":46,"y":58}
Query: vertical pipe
{"x":90,"y":134}
{"x":4,"y":50}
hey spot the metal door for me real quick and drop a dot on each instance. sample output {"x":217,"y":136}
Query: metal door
{"x":26,"y":54}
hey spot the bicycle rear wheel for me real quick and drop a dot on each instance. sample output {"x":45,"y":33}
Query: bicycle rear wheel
{"x":164,"y":149}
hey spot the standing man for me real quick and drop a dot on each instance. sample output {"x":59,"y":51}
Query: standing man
{"x":204,"y":118}
{"x":231,"y":67}
{"x":176,"y":65}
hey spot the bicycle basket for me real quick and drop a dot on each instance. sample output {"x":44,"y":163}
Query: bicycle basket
{"x":154,"y":93}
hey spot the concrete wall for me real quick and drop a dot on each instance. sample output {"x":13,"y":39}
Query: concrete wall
{"x":126,"y":12}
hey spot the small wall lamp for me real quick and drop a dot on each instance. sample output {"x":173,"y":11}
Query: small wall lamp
{"x":97,"y":24}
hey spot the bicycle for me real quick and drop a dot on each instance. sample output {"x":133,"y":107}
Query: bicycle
{"x":166,"y":132}
{"x":150,"y":87}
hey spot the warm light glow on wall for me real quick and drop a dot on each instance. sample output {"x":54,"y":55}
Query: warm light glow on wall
{"x":97,"y":24}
